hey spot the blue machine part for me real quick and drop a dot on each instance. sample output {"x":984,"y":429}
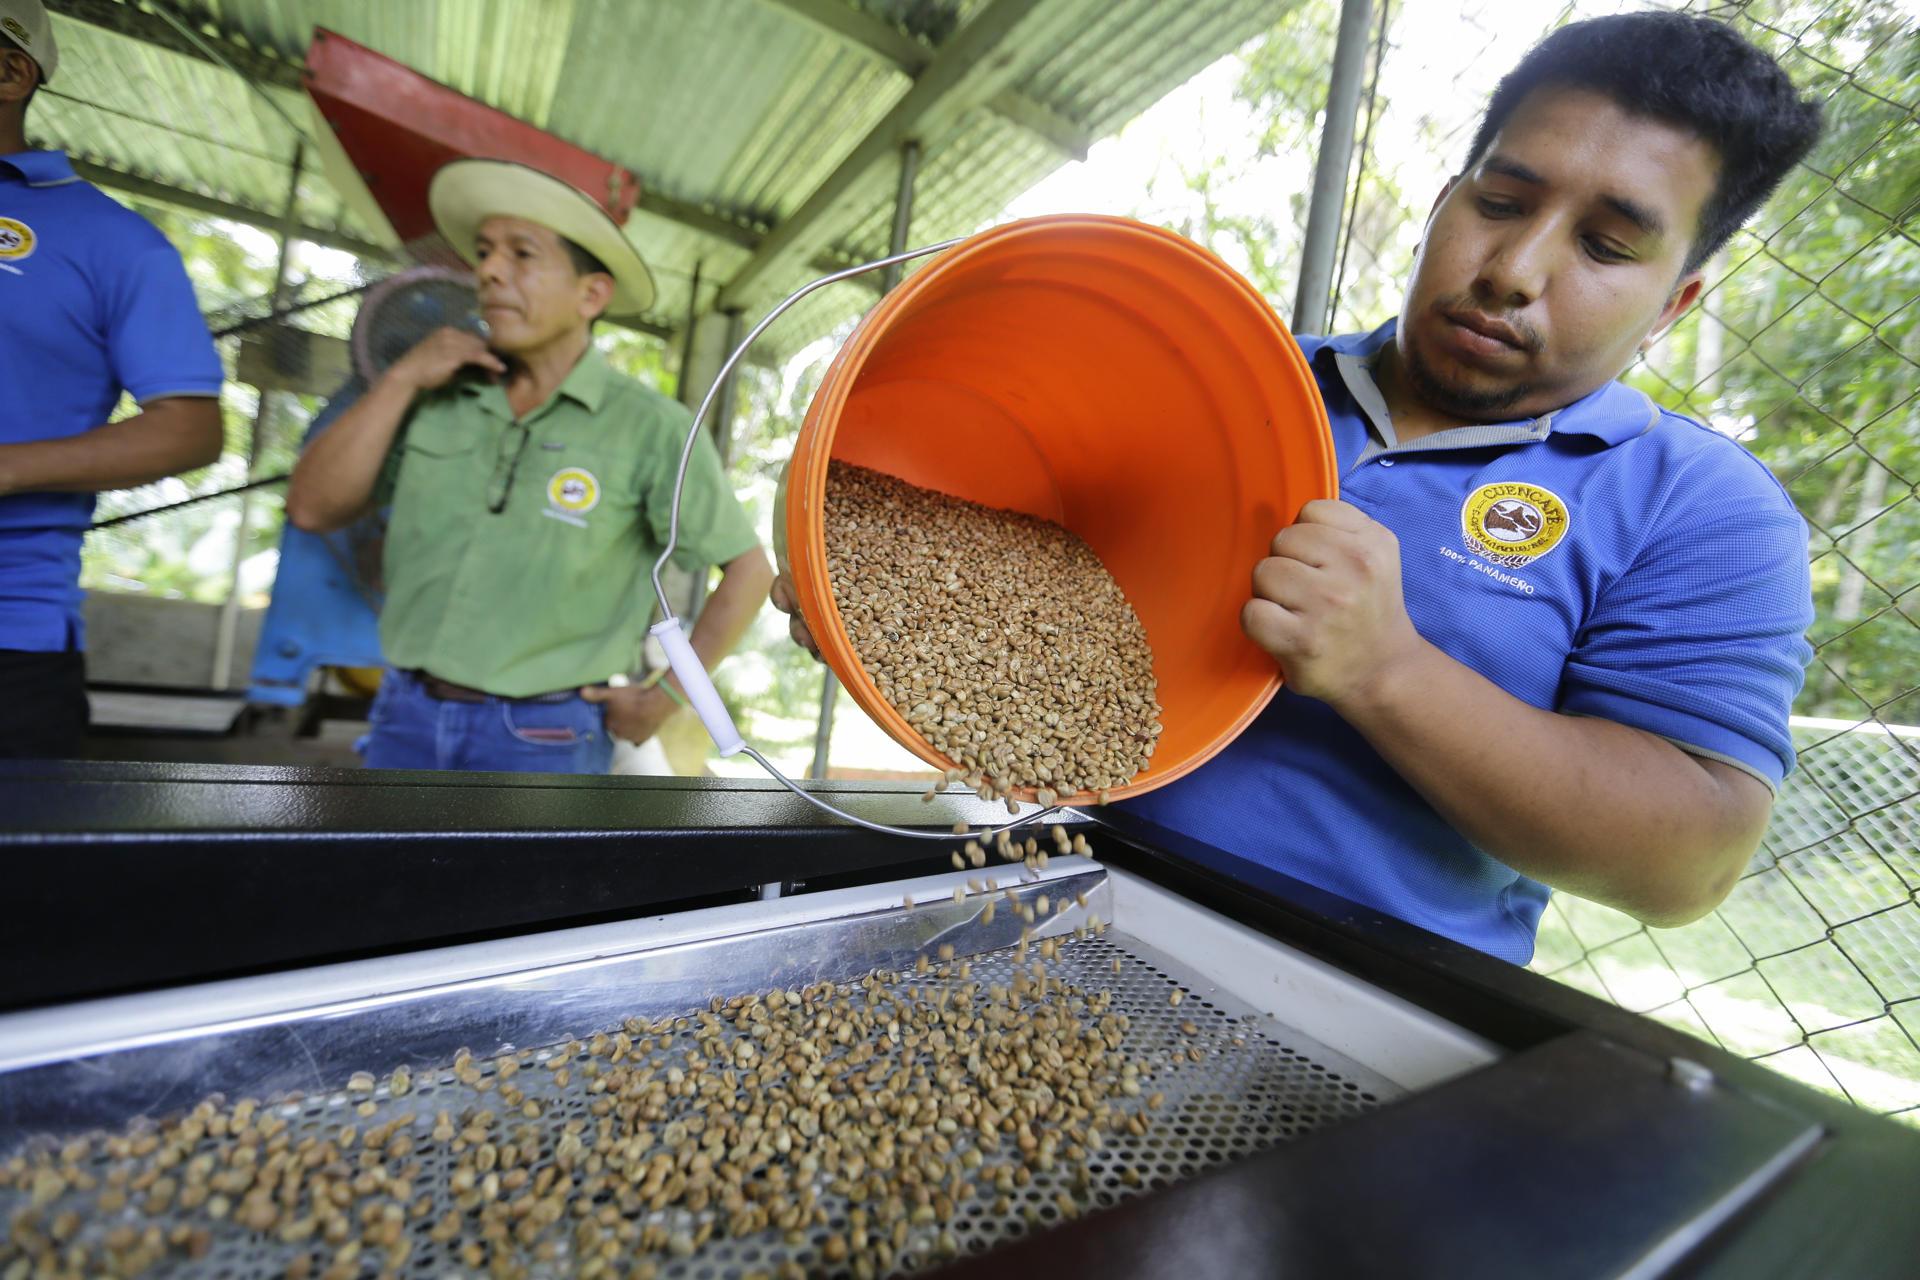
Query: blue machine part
{"x":325,"y":609}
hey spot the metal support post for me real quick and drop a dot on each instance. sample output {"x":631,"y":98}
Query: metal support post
{"x":700,"y":356}
{"x":689,"y":393}
{"x":902,"y":213}
{"x":711,"y":346}
{"x":902,"y":227}
{"x":705,"y":340}
{"x":723,"y":413}
{"x":1330,"y":170}
{"x":221,"y":676}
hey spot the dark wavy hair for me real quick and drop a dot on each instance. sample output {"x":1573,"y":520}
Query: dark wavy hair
{"x":1687,"y":70}
{"x":584,"y":262}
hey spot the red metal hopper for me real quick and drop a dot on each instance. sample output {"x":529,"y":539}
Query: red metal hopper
{"x":395,"y":128}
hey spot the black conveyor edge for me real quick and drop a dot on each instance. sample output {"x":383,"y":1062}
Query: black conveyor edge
{"x":190,"y":872}
{"x":1546,"y":1151}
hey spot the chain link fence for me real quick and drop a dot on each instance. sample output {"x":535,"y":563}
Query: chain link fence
{"x":1805,"y":348}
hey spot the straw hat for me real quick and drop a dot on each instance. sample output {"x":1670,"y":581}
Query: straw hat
{"x":465,"y":193}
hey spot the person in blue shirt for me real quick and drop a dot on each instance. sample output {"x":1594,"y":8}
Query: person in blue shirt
{"x":1549,"y":634}
{"x":93,"y":301}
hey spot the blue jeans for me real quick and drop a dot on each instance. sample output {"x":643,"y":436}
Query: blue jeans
{"x":412,"y":730}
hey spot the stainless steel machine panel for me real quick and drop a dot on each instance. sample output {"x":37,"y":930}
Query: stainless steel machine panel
{"x":1241,"y":1080}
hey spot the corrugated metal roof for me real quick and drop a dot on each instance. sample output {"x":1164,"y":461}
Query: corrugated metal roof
{"x":737,"y":109}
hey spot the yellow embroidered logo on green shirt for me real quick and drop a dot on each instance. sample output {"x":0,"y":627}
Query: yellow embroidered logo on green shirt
{"x":571,"y":493}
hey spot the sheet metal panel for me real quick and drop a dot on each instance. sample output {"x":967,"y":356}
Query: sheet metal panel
{"x":734,"y":105}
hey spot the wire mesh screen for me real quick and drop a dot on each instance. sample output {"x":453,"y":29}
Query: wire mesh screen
{"x":1805,"y":348}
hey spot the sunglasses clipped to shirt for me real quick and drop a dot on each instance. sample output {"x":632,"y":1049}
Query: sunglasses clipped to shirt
{"x":513,"y":444}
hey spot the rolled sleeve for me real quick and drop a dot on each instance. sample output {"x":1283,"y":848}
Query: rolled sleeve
{"x":713,"y":525}
{"x":156,"y":340}
{"x":1703,"y":640}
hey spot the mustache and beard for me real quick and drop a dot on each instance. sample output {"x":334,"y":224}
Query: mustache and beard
{"x":1456,"y":396}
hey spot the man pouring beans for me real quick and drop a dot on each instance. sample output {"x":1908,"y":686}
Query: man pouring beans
{"x":1548,"y":635}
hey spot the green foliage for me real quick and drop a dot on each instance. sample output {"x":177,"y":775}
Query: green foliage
{"x":1805,"y":347}
{"x":1285,"y":83}
{"x":640,"y":356}
{"x":187,"y":554}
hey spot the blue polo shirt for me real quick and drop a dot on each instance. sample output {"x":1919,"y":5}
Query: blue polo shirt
{"x":93,"y":301}
{"x":1610,"y":559}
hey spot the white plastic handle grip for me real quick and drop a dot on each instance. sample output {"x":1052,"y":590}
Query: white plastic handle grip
{"x":698,"y":685}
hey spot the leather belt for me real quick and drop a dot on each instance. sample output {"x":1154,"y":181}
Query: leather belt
{"x":447,"y":691}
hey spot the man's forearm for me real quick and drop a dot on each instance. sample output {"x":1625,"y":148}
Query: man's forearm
{"x":1596,"y":808}
{"x":729,"y":611}
{"x":165,"y":438}
{"x":334,"y":480}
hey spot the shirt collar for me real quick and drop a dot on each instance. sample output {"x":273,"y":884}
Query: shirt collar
{"x":585,"y":384}
{"x":1613,"y":414}
{"x":41,"y":168}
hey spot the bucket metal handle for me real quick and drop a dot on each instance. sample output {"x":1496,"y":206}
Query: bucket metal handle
{"x":720,"y":381}
{"x":671,"y":632}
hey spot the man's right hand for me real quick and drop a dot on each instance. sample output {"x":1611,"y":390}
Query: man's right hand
{"x":337,"y":475}
{"x":782,"y":595}
{"x":783,"y":598}
{"x":436,"y":358}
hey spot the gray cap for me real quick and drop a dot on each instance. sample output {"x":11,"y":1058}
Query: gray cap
{"x":25,"y":22}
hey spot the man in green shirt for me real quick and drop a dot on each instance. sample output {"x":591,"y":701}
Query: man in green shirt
{"x":531,"y":488}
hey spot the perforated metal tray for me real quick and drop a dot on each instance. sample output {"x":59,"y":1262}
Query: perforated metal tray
{"x":1239,"y":1082}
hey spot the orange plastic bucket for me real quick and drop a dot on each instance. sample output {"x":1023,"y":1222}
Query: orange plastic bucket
{"x":1107,"y":375}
